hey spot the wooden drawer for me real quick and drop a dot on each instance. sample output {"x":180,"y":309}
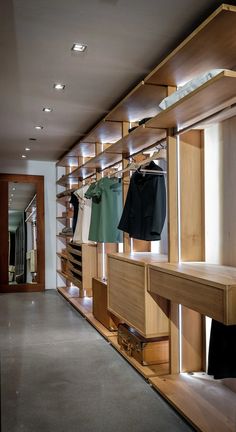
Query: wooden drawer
{"x":206,"y":288}
{"x":128,"y":297}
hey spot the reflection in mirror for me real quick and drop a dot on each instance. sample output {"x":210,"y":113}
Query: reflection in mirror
{"x":22,"y":240}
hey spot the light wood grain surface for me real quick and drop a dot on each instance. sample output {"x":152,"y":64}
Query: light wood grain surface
{"x":206,"y":403}
{"x":199,"y":52}
{"x":206,"y":288}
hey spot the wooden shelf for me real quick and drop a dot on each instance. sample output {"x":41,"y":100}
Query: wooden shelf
{"x":77,"y":282}
{"x":208,"y":404}
{"x":212,"y":45}
{"x":79,"y":150}
{"x":64,"y":180}
{"x":73,"y":260}
{"x":140,"y":103}
{"x":65,"y":237}
{"x":67,"y":161}
{"x":136,"y":141}
{"x":67,"y":192}
{"x":61,"y":273}
{"x":60,"y":255}
{"x":197,"y":104}
{"x":105,"y":132}
{"x":206,"y":288}
{"x":69,"y":292}
{"x":73,"y":269}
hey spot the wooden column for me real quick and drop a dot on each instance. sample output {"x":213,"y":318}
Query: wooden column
{"x":172,"y":188}
{"x":191,"y":153}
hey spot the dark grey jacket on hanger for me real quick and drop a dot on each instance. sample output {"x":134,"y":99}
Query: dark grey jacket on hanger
{"x":144,"y":212}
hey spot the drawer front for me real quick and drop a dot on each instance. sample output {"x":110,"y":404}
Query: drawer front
{"x":126,"y":292}
{"x":206,"y":299}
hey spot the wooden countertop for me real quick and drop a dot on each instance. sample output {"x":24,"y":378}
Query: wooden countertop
{"x":206,"y":288}
{"x":140,"y":258}
{"x":211,"y":274}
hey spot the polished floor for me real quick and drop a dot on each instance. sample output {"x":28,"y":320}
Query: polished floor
{"x":59,"y":375}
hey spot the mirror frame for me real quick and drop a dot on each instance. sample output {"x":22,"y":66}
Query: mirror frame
{"x":5,"y":287}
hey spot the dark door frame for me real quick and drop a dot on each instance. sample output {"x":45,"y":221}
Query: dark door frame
{"x":39,"y":183}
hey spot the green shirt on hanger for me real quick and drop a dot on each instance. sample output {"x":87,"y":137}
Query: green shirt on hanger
{"x":106,"y":197}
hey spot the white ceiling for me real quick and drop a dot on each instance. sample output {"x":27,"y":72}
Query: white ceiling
{"x":125,"y":38}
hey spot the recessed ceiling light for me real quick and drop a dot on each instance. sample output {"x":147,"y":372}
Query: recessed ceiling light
{"x":79,"y":47}
{"x":38,"y":127}
{"x":13,"y":188}
{"x":47,"y":109}
{"x":59,"y":86}
{"x":10,"y":199}
{"x":23,"y":156}
{"x":27,"y":149}
{"x":12,"y":195}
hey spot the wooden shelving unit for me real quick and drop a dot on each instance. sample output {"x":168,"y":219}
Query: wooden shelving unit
{"x":212,"y":45}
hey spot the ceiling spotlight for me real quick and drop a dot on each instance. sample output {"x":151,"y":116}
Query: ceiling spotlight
{"x":47,"y":109}
{"x":10,"y":199}
{"x":27,"y":149}
{"x":38,"y":127}
{"x":79,"y":47}
{"x":23,"y":156}
{"x":59,"y":86}
{"x":13,"y":188}
{"x":12,"y":195}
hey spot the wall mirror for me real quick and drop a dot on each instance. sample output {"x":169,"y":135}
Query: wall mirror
{"x":22,"y":266}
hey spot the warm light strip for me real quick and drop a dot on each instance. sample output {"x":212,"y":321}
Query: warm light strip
{"x":179,"y":248}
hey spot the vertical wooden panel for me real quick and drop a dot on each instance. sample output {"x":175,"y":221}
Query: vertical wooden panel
{"x":172,"y":188}
{"x":125,"y":187}
{"x":192,"y":196}
{"x":4,"y":232}
{"x":174,"y":338}
{"x":191,"y":151}
{"x":192,"y":340}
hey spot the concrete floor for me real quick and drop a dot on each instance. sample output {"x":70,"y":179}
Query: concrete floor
{"x":58,"y":374}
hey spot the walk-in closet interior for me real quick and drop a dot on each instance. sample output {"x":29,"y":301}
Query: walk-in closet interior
{"x":168,"y":149}
{"x":141,"y":198}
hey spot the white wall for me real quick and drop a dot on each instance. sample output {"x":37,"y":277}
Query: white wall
{"x":48,"y":170}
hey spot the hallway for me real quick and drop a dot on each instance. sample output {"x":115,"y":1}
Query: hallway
{"x":59,"y":375}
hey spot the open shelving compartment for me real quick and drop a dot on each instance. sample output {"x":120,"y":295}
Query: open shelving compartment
{"x":109,"y":143}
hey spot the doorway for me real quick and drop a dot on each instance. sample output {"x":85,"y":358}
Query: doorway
{"x":22,"y":257}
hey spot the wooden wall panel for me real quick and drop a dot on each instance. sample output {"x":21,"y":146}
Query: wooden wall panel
{"x":192,"y":196}
{"x":172,"y":188}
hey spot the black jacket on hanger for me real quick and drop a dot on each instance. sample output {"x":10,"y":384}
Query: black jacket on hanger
{"x":222,"y":351}
{"x":144,"y":212}
{"x":74,"y":201}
